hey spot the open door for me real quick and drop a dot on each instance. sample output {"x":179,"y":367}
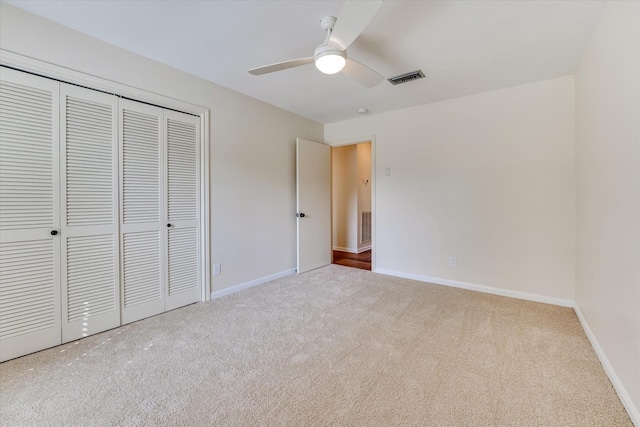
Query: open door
{"x":313,"y":190}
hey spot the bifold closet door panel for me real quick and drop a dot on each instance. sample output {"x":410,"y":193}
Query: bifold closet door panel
{"x":29,"y":214}
{"x":89,"y":164}
{"x":142,"y":202}
{"x":183,"y":208}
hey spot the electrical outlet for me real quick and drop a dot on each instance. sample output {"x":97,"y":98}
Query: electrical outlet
{"x":452,"y":261}
{"x":216,"y":269}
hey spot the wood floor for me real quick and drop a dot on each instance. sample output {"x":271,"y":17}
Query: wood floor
{"x":361,"y":260}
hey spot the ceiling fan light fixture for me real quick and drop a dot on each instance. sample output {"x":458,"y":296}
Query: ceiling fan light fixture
{"x":329,"y":59}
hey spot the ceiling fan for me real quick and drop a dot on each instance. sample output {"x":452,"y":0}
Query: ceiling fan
{"x":331,"y":56}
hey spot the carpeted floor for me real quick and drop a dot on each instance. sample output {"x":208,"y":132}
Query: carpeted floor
{"x":335,"y":346}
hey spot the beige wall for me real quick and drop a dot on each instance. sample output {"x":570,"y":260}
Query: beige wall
{"x":608,"y":190}
{"x":252,"y":144}
{"x":486,"y":178}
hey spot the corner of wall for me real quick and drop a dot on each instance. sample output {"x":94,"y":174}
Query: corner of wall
{"x":607,"y":206}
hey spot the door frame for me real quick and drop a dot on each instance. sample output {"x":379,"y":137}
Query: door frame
{"x":372,"y":140}
{"x":56,"y":72}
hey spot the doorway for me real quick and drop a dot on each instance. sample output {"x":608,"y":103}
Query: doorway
{"x":351,"y":196}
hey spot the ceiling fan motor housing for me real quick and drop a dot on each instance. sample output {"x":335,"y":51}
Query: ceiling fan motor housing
{"x":329,"y":59}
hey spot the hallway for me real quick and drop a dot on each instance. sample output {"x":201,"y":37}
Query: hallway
{"x":361,"y":260}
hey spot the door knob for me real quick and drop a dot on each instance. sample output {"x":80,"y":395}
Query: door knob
{"x":169,"y":225}
{"x":300,"y":215}
{"x":54,"y":232}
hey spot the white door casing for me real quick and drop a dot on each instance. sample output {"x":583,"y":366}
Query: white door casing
{"x":313,"y":200}
{"x":29,"y":214}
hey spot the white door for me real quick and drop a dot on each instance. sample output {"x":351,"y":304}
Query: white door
{"x":90,"y":261}
{"x":142,"y":224}
{"x":29,"y":214}
{"x":160,"y":187}
{"x":182,"y":209}
{"x":313,"y":193}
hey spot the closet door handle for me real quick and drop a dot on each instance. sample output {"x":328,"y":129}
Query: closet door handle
{"x":54,"y":232}
{"x":169,"y":225}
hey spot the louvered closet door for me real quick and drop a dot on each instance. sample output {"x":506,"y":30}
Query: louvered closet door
{"x":29,"y":197}
{"x":142,"y":200}
{"x":182,"y":213}
{"x":90,"y":261}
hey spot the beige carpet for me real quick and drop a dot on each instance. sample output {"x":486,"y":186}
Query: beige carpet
{"x":336,"y":346}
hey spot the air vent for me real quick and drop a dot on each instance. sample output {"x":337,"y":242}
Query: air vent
{"x":404,"y":78}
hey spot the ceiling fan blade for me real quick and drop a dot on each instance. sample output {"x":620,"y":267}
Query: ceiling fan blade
{"x":281,"y":66}
{"x":363,"y":74}
{"x":353,"y":19}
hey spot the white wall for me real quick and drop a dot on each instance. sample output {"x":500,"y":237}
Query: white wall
{"x":487,"y":178}
{"x":344,"y":198}
{"x":252,"y":143}
{"x":608,"y":191}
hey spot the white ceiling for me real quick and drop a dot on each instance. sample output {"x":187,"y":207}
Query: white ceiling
{"x":463,"y":47}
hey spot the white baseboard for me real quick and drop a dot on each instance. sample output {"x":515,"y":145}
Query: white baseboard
{"x":351,"y":250}
{"x":480,"y":288}
{"x":251,"y":284}
{"x":343,"y":249}
{"x":633,"y":412}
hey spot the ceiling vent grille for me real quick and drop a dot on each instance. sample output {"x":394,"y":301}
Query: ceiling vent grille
{"x":408,"y":77}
